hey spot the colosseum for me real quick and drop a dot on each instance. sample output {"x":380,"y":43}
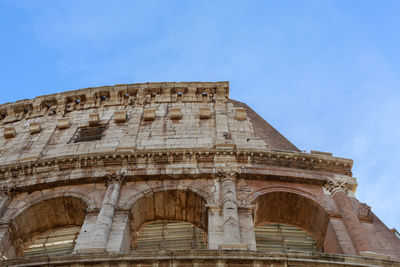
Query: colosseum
{"x":173,"y":174}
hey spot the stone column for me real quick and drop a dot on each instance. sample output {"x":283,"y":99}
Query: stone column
{"x":339,"y":187}
{"x":350,"y":219}
{"x":229,"y":208}
{"x":104,"y":220}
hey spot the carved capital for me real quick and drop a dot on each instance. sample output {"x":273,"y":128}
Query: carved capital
{"x":9,"y":191}
{"x":227,"y":175}
{"x":114,"y":178}
{"x":340,"y":183}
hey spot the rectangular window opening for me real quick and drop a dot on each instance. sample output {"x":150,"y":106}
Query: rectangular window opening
{"x":87,"y":134}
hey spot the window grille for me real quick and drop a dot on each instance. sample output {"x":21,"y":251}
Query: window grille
{"x":86,"y":134}
{"x":56,"y":242}
{"x":281,"y":238}
{"x":171,"y":236}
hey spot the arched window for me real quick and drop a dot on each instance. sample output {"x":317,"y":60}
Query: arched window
{"x":49,"y":227}
{"x":171,"y":236}
{"x":280,"y":209}
{"x":169,"y":220}
{"x":282,"y":238}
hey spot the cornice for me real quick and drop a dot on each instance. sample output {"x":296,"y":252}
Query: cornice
{"x":117,"y":95}
{"x":250,"y":160}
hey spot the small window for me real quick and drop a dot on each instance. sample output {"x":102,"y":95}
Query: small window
{"x":87,"y":134}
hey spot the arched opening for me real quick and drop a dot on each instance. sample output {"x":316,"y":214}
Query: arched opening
{"x":291,"y":216}
{"x":169,"y":220}
{"x":50,"y":227}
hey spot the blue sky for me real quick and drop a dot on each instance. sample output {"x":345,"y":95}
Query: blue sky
{"x":324,"y":73}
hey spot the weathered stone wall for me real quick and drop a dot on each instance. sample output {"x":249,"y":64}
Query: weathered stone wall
{"x":171,"y":152}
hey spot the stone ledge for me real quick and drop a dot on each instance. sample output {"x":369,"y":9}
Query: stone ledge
{"x":234,"y":246}
{"x":258,"y":159}
{"x":198,"y":257}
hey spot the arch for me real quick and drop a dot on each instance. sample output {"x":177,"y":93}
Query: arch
{"x":151,"y":190}
{"x":44,"y":215}
{"x":252,"y":197}
{"x":168,"y":206}
{"x":87,"y":201}
{"x":292,"y":209}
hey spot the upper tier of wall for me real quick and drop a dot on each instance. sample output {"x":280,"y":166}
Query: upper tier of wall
{"x":150,"y":118}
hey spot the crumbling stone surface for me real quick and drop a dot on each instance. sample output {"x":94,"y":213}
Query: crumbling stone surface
{"x":173,"y":152}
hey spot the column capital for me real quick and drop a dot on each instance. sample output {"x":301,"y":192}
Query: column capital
{"x":115,"y":178}
{"x":9,"y":191}
{"x":227,"y":175}
{"x":345,"y":184}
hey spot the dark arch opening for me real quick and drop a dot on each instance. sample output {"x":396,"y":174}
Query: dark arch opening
{"x":163,"y":209}
{"x":293,"y":209}
{"x":52,"y":217}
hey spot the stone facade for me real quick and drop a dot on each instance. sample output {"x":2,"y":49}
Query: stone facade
{"x":114,"y":159}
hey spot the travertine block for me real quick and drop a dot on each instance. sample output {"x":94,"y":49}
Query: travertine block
{"x":149,"y":114}
{"x":175,"y":113}
{"x":204,"y":113}
{"x":34,"y":128}
{"x":63,"y":123}
{"x":94,"y":119}
{"x":120,"y":116}
{"x":9,"y":132}
{"x":241,"y":114}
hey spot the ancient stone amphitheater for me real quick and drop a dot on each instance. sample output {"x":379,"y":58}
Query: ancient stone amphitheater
{"x":173,"y":174}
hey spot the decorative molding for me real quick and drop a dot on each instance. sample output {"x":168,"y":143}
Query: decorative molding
{"x":297,"y":160}
{"x":337,"y":183}
{"x":117,"y":95}
{"x":9,"y":191}
{"x":227,"y":175}
{"x":114,"y":178}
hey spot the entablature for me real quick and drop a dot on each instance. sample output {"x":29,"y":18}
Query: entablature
{"x":268,"y":164}
{"x":117,"y":95}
